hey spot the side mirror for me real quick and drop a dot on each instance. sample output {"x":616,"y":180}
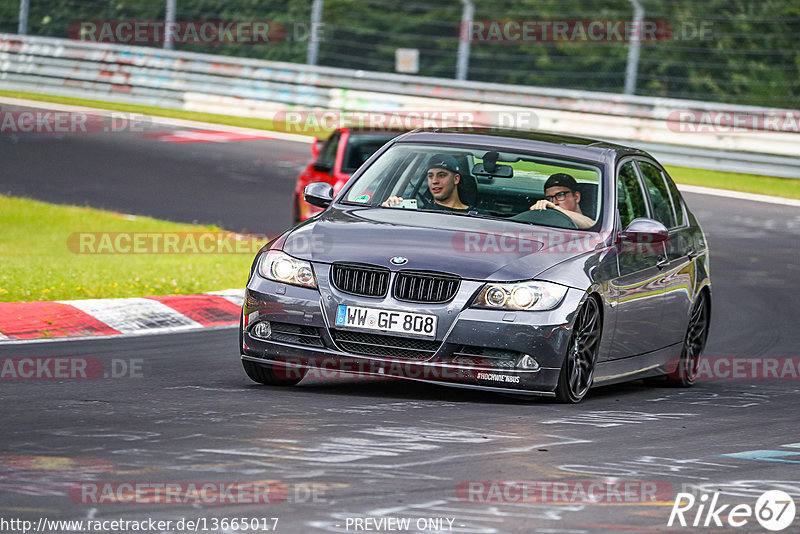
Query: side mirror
{"x":643,"y":230}
{"x":319,"y":194}
{"x":315,"y":148}
{"x":321,"y":166}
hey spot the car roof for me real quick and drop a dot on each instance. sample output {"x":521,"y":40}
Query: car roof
{"x":536,"y":141}
{"x":364,"y":130}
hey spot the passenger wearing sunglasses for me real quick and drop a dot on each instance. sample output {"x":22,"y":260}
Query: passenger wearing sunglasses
{"x":561,"y":193}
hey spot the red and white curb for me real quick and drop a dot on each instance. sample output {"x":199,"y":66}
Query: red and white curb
{"x":91,"y":318}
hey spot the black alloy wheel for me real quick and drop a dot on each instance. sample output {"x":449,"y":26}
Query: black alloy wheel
{"x":577,"y":371}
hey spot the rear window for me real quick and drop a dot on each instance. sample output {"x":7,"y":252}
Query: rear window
{"x":360,"y":147}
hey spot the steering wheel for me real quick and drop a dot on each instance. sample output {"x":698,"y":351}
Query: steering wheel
{"x":548,"y":217}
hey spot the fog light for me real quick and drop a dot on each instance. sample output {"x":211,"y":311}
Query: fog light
{"x":528,"y":363}
{"x":261,"y":329}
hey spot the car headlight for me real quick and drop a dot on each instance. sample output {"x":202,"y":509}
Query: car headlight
{"x":279,"y":266}
{"x":531,"y":296}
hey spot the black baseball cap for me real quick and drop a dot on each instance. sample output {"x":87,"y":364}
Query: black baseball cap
{"x":561,"y":179}
{"x":443,"y":161}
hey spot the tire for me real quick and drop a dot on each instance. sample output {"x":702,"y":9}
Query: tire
{"x":265,"y":374}
{"x":577,"y":371}
{"x":241,"y":331}
{"x":694,"y":342}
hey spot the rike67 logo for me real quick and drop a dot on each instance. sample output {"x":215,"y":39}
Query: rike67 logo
{"x":774,"y":510}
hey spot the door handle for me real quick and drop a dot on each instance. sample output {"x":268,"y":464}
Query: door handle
{"x":691,"y":254}
{"x":662,"y":262}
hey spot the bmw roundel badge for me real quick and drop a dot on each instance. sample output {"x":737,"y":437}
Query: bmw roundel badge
{"x":399,"y":260}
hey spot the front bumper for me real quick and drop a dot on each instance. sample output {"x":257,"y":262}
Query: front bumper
{"x":473,"y":348}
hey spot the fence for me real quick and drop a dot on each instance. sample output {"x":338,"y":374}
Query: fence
{"x":734,"y":51}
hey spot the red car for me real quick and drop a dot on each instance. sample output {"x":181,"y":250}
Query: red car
{"x":345,"y":151}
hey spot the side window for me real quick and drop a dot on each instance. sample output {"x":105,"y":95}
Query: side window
{"x":677,"y":200}
{"x":659,"y":196}
{"x":630,"y":199}
{"x":327,"y":155}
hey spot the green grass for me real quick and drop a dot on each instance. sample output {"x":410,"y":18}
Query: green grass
{"x":41,"y":256}
{"x":749,"y":183}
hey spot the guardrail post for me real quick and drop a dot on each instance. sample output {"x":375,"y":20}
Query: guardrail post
{"x":23,"y":17}
{"x":464,"y":39}
{"x":313,"y":39}
{"x":631,"y":71}
{"x":169,"y":23}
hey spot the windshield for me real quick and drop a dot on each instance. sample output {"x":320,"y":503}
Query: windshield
{"x":527,"y":188}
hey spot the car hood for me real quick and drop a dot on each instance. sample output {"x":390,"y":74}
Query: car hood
{"x":472,"y":248}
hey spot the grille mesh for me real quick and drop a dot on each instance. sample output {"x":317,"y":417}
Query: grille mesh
{"x":425,"y":287}
{"x":382,"y":345}
{"x":362,"y":280}
{"x":296,"y":334}
{"x":484,"y":356}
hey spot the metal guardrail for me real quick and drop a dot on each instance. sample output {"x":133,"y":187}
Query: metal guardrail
{"x":258,"y":88}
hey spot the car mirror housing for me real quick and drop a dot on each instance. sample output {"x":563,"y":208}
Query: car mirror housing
{"x":643,"y":230}
{"x":321,"y":166}
{"x":319,"y":194}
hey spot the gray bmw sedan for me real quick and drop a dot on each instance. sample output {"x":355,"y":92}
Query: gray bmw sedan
{"x":518,"y":262}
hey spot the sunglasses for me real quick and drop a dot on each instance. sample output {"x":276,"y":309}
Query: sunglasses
{"x":561,"y":195}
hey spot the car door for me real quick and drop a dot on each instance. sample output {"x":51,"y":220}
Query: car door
{"x":321,"y":170}
{"x":678,"y":274}
{"x":636,"y":293}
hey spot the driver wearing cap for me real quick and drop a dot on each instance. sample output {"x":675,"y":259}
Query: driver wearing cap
{"x":443,"y":179}
{"x":562,"y":194}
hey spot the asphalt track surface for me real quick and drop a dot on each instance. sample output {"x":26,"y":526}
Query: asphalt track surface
{"x":346,"y":448}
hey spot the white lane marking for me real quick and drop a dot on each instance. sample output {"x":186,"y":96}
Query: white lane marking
{"x":739,"y":195}
{"x":133,"y":314}
{"x":2,"y":337}
{"x":235,"y":296}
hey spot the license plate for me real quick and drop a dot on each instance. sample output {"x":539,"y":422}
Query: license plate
{"x":399,"y":322}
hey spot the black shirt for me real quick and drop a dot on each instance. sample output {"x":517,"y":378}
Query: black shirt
{"x":439,"y":207}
